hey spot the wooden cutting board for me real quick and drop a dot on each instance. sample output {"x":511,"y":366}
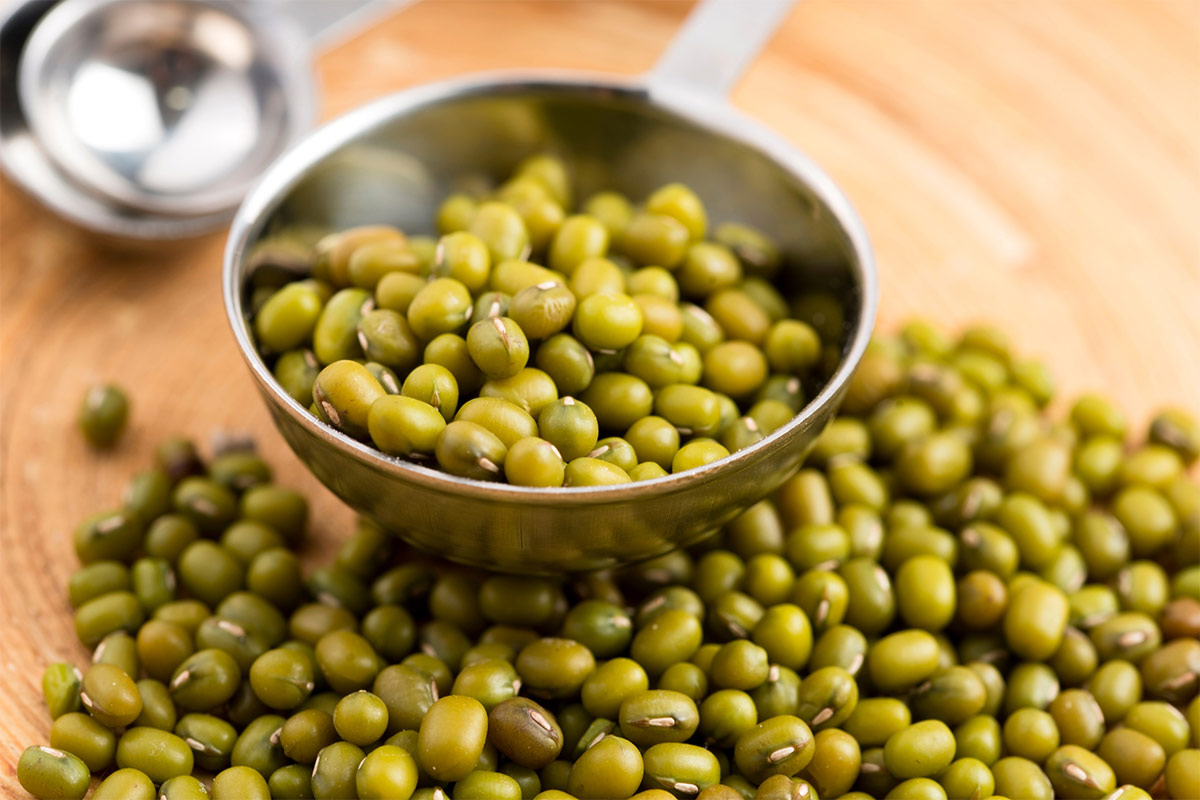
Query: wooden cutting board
{"x":1035,"y":163}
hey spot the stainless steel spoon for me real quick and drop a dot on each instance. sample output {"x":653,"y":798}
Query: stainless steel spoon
{"x":392,"y":161}
{"x":150,"y":119}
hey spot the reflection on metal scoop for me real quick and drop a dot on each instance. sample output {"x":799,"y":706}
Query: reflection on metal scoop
{"x":169,"y":106}
{"x":157,"y":115}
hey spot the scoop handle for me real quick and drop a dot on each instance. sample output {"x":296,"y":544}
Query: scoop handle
{"x":716,"y":43}
{"x":326,"y":22}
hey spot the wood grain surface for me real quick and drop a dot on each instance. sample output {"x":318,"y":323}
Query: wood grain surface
{"x":1031,"y":162}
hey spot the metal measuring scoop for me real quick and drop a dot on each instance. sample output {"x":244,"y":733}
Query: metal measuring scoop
{"x":393,"y":161}
{"x":150,"y":119}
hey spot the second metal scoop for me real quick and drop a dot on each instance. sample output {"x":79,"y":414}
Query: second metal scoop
{"x":173,"y":108}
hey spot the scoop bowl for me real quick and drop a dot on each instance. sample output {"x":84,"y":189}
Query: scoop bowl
{"x":393,"y":160}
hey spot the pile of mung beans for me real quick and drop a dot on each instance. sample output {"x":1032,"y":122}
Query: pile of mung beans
{"x":541,"y":348}
{"x":956,"y":597}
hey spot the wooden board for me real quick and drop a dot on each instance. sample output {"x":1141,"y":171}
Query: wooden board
{"x":1031,"y":162}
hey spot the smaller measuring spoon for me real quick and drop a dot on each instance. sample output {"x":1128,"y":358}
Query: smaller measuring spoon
{"x":163,"y":112}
